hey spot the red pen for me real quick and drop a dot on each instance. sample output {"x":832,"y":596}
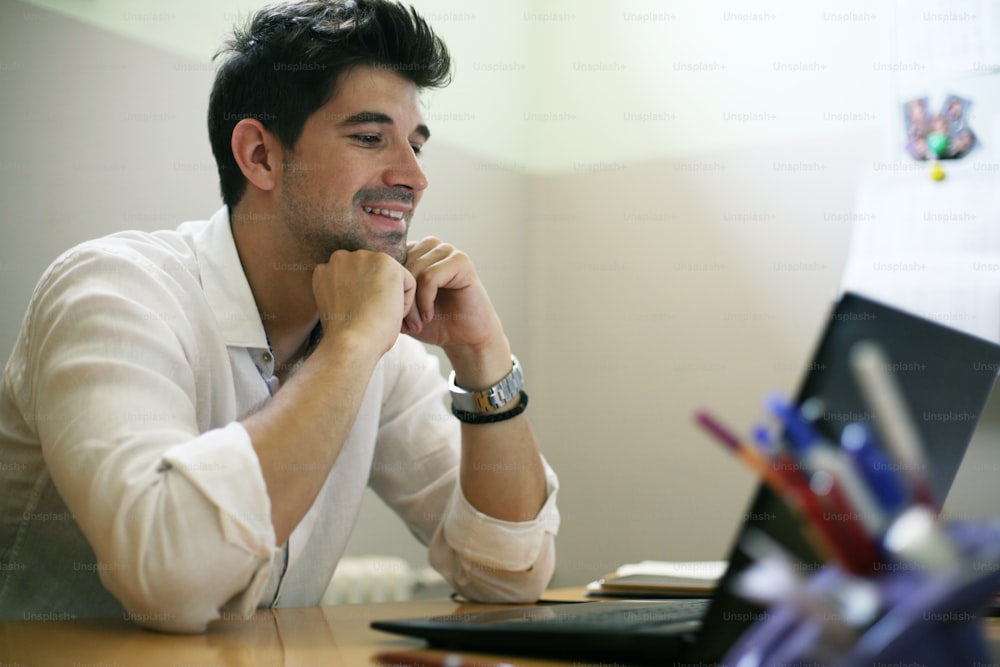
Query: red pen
{"x":831,"y":524}
{"x":848,"y":514}
{"x":426,"y":659}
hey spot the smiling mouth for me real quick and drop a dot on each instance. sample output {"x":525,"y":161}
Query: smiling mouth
{"x":395,"y":215}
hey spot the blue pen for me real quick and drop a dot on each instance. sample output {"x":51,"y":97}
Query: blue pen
{"x":762,"y":438}
{"x":875,"y":467}
{"x":799,"y":433}
{"x":853,"y":504}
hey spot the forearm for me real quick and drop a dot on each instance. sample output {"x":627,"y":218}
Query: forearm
{"x":298,"y":434}
{"x":501,"y":472}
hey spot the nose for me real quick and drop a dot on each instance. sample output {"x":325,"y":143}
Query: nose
{"x":405,"y":170}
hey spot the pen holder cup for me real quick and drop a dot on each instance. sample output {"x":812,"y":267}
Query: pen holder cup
{"x":924,"y":618}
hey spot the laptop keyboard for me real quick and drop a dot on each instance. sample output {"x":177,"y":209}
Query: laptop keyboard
{"x":607,"y":615}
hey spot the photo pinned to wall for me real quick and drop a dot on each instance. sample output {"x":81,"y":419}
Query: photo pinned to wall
{"x":946,"y":135}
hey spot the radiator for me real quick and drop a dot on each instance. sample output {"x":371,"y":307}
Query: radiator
{"x":379,"y":579}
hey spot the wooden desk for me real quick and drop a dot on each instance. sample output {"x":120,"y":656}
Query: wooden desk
{"x":336,"y":636}
{"x":310,"y":636}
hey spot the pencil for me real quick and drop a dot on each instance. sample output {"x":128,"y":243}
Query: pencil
{"x":749,"y":454}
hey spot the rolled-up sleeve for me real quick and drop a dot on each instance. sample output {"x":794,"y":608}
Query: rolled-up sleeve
{"x":416,"y":471}
{"x":176,"y":510}
{"x":491,"y":560}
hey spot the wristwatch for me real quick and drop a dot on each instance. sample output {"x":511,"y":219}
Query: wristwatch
{"x":491,"y":399}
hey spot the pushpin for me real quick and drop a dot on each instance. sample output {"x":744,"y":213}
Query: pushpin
{"x":937,"y":143}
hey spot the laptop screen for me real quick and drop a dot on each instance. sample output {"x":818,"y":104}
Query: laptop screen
{"x":946,"y":377}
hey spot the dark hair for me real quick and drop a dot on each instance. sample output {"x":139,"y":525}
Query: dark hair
{"x":284,"y":65}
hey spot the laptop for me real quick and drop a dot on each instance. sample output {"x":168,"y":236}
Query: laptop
{"x":942,"y":373}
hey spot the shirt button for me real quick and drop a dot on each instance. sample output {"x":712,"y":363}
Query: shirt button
{"x":267,"y":357}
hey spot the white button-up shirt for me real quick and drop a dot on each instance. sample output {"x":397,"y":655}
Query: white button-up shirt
{"x":129,"y":486}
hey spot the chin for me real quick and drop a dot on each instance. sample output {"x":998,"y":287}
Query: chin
{"x":395,"y":248}
{"x":398,"y":254}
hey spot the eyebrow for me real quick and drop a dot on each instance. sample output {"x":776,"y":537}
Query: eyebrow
{"x":363,"y":117}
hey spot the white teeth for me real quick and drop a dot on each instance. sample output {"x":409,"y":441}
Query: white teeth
{"x":398,"y":215}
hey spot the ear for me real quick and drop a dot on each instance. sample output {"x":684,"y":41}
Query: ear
{"x":257,"y":152}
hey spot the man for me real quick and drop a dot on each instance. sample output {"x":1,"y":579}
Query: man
{"x":189,"y":418}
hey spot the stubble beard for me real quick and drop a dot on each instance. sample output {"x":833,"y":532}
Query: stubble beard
{"x":318,"y":233}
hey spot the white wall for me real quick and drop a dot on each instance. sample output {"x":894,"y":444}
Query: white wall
{"x":482,"y":36}
{"x":547,"y":85}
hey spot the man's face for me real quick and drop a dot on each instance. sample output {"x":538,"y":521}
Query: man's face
{"x":352,"y":180}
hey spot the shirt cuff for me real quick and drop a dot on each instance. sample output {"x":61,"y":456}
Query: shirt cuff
{"x":512,"y":546}
{"x":223,"y":465}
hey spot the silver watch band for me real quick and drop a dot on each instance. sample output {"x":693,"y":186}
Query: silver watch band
{"x":491,"y":399}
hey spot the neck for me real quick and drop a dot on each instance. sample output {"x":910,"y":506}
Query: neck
{"x":281,"y":282}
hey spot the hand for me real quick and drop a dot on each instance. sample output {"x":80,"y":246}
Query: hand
{"x":363,"y":291}
{"x":453,"y":311}
{"x":451,"y":305}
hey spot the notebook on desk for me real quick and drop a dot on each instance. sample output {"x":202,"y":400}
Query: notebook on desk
{"x":953,"y":373}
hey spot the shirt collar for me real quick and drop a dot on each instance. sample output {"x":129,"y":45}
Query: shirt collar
{"x":225,"y":284}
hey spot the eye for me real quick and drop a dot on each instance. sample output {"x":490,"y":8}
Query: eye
{"x":417,"y":149}
{"x":368,"y":139}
